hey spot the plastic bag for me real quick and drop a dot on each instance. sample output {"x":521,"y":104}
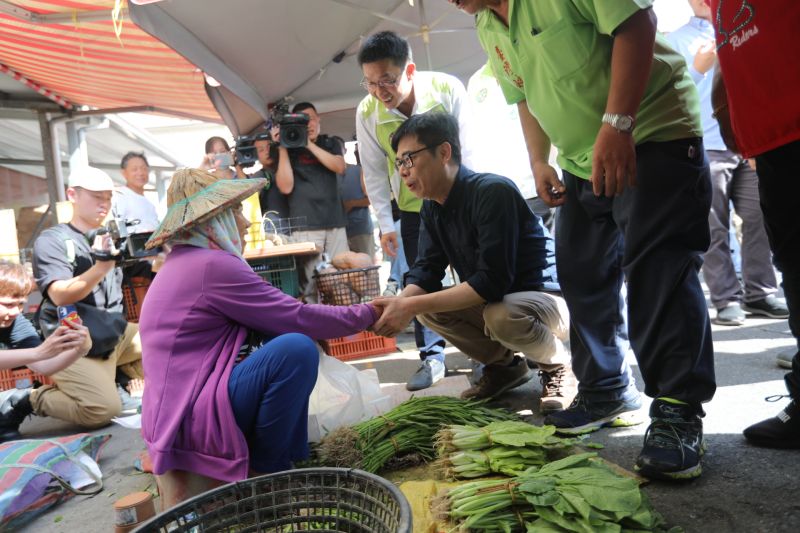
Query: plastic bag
{"x":343,"y":396}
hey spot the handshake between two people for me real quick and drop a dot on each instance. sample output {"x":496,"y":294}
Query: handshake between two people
{"x":393,"y":312}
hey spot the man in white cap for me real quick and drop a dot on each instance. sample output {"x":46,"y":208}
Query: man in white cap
{"x":71,"y":270}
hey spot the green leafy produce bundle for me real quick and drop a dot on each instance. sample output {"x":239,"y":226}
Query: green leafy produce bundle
{"x":408,"y":428}
{"x":576,"y":493}
{"x":504,"y":447}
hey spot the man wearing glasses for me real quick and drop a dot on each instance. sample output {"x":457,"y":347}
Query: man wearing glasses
{"x":396,"y":92}
{"x":481,"y":225}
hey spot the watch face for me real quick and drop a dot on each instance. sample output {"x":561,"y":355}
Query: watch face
{"x":624,"y":122}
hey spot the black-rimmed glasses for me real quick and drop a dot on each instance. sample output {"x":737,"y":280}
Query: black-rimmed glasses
{"x":406,"y":161}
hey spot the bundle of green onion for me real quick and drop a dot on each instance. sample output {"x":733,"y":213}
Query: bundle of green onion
{"x":505,"y":447}
{"x":576,"y":493}
{"x":408,"y":428}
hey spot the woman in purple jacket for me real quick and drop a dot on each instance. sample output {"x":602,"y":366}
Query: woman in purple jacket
{"x":205,"y":411}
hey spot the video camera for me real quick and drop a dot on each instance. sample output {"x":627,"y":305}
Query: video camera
{"x":294,"y":126}
{"x":127,"y":247}
{"x":246,"y":153}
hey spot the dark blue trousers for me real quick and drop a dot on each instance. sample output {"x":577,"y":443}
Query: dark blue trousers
{"x":779,"y":187}
{"x":269,"y":393}
{"x":652,"y":237}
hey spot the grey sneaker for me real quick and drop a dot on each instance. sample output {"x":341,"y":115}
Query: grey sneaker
{"x":770,"y":307}
{"x":732,"y":315}
{"x":129,"y":404}
{"x":429,"y":372}
{"x":558,"y":389}
{"x":391,"y":288}
{"x":497,"y":379}
{"x":784,"y":359}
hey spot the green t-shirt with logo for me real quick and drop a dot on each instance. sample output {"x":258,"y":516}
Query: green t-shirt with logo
{"x":556,"y":54}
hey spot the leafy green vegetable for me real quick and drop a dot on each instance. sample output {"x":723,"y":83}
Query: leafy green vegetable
{"x":408,"y":428}
{"x":577,"y":493}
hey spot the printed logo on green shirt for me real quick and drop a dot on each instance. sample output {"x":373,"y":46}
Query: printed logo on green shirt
{"x":507,"y":68}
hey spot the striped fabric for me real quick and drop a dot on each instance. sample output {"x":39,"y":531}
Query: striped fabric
{"x":84,"y":63}
{"x":27,"y":484}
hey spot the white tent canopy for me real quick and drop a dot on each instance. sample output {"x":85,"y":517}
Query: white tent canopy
{"x":262,"y":50}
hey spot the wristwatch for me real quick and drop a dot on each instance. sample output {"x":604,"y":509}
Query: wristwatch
{"x":621,"y":123}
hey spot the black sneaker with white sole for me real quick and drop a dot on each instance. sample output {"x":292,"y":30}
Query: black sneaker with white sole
{"x":780,"y":431}
{"x":770,"y":307}
{"x":673,"y":443}
{"x":584,"y":416}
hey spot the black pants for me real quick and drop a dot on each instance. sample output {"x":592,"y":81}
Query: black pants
{"x":652,"y":237}
{"x":779,"y":187}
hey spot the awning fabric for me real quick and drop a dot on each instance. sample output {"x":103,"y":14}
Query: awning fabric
{"x":85,"y":63}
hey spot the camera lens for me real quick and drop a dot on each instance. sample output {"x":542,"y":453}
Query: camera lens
{"x":292,"y":135}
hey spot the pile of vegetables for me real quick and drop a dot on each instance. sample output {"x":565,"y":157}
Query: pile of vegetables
{"x":506,"y":447}
{"x":408,"y":428}
{"x":576,"y":493}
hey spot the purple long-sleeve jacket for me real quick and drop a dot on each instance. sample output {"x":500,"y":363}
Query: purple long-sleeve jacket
{"x":193,"y":322}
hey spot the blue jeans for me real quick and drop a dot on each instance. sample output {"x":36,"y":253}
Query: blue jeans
{"x":269,"y":394}
{"x":429,"y":343}
{"x":399,"y":267}
{"x":653,"y":237}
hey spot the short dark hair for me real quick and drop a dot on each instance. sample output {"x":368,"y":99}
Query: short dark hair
{"x":431,"y":129}
{"x":15,"y":282}
{"x":130,"y":155}
{"x":385,"y":45}
{"x":302,"y":106}
{"x":210,"y":144}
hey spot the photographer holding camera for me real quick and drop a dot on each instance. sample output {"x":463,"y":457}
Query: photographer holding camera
{"x":308,"y":176}
{"x":272,"y":200}
{"x":70,"y":270}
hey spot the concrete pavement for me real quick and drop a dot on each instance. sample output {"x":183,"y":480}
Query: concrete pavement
{"x":743,"y":488}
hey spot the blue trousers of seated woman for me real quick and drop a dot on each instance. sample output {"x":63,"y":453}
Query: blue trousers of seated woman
{"x":269,"y":393}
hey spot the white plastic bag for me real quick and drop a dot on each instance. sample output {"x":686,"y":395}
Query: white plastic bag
{"x":343,"y":396}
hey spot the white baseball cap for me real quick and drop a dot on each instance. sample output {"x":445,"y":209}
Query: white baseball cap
{"x":91,"y":179}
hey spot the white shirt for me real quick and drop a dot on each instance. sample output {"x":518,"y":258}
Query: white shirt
{"x":431,"y":90}
{"x":129,"y":205}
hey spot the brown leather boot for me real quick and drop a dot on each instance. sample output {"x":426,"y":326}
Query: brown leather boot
{"x":497,"y":379}
{"x":559,"y":387}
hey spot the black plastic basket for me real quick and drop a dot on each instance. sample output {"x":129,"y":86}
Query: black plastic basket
{"x":348,"y":287}
{"x":310,"y":499}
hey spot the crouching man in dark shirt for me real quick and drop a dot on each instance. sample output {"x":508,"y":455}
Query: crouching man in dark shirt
{"x":481,"y":225}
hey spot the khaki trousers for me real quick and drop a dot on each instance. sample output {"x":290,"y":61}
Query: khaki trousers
{"x":534,"y":323}
{"x":85,"y":392}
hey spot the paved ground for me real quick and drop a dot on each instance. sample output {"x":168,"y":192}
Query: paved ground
{"x":742,"y":489}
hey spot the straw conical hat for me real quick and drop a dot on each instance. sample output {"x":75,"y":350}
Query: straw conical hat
{"x":195,"y":196}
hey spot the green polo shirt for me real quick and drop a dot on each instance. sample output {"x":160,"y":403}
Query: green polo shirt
{"x":556,"y":54}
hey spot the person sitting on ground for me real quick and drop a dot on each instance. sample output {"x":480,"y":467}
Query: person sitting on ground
{"x":20,"y":346}
{"x":481,"y":225}
{"x":206,"y":411}
{"x":70,"y":270}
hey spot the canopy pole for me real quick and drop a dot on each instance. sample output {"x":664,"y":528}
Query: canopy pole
{"x":55,"y":183}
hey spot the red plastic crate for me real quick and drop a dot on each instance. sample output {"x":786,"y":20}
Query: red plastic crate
{"x":359,"y":346}
{"x":133,"y":297}
{"x":21,"y":378}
